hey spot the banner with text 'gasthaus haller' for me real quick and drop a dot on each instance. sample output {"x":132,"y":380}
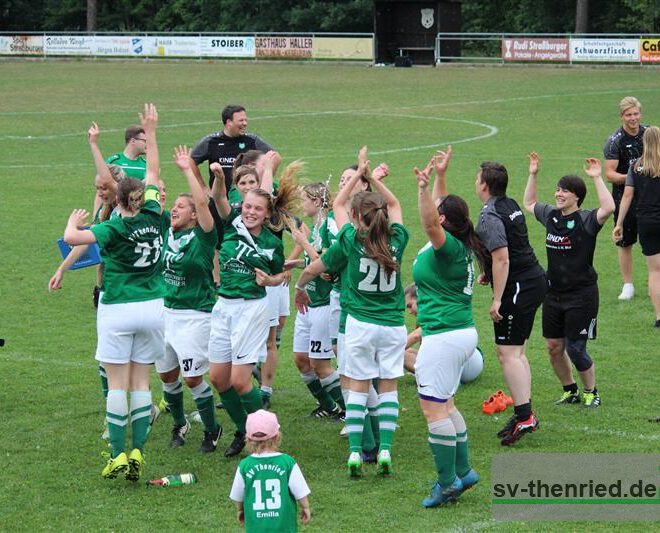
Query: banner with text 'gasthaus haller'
{"x":294,"y":47}
{"x":605,"y":50}
{"x":650,"y":50}
{"x":535,"y":49}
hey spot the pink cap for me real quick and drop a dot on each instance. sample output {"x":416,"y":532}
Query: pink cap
{"x":262,"y":425}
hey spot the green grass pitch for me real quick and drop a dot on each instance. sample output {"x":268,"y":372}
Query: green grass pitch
{"x":50,"y":395}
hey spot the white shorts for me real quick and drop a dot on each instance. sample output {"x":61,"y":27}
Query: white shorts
{"x":335,"y":311}
{"x":440,"y":362}
{"x":187,"y":335}
{"x":239,"y":329}
{"x":311,"y":333}
{"x":373,"y":351}
{"x":279,"y":303}
{"x":130,"y":332}
{"x":341,"y":354}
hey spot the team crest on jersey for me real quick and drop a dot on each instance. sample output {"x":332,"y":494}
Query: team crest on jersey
{"x":240,"y":228}
{"x":570,"y":224}
{"x":241,"y":146}
{"x":427,"y":18}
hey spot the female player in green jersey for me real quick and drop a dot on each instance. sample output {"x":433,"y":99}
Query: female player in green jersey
{"x":251,"y":258}
{"x":444,"y":274}
{"x":368,"y":253}
{"x":312,"y":344}
{"x":130,"y":315}
{"x":189,"y":299}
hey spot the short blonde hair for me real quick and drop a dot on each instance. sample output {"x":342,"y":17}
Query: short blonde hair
{"x":628,"y":102}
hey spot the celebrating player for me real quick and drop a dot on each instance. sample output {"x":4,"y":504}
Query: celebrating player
{"x":130,"y":315}
{"x":444,"y":274}
{"x":189,"y":300}
{"x":370,"y":251}
{"x":570,"y":307}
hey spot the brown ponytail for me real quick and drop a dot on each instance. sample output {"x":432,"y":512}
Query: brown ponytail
{"x":130,"y":194}
{"x":371,"y":209}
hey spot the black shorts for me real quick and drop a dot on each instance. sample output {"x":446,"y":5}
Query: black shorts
{"x":629,"y":223}
{"x":571,"y":315}
{"x":649,"y":238}
{"x":520,"y":301}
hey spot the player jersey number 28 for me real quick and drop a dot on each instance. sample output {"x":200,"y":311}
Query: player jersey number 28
{"x":149,"y":252}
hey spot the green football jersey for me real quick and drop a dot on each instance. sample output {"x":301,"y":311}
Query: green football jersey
{"x":328,"y":233}
{"x":241,"y":253}
{"x":368,"y":294}
{"x":133,"y":168}
{"x":268,"y":505}
{"x":444,"y":279}
{"x":188,"y":269}
{"x":131,"y":252}
{"x":318,"y":289}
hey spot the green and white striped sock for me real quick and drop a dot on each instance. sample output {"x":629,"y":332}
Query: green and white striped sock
{"x":355,"y":412}
{"x":116,"y":413}
{"x":388,"y":416}
{"x":442,"y":439}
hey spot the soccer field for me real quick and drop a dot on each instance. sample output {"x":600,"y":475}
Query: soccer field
{"x":50,"y":392}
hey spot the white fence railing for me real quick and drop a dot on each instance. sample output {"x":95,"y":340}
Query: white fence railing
{"x":304,"y":46}
{"x":548,"y":47}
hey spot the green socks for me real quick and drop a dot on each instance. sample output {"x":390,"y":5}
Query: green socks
{"x":388,"y":416}
{"x":140,"y":414}
{"x":355,"y":413}
{"x":442,"y":439}
{"x":234,"y":407}
{"x":463,"y":465}
{"x":314,"y":385}
{"x":173,"y":393}
{"x":116,"y":413}
{"x":331,"y":384}
{"x":203,"y":396}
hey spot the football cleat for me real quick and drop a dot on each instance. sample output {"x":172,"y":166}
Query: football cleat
{"x":210,"y":441}
{"x":179,"y":435}
{"x":136,"y":464}
{"x":115,"y":466}
{"x":442,"y":495}
{"x":520,"y":428}
{"x":355,"y":465}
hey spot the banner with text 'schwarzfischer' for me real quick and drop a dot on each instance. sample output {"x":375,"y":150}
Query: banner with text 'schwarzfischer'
{"x":605,"y":50}
{"x":534,"y":49}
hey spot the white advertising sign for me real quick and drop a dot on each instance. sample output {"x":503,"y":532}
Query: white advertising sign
{"x":119,"y":45}
{"x":176,"y":46}
{"x":227,"y":46}
{"x":68,"y":45}
{"x":605,"y":50}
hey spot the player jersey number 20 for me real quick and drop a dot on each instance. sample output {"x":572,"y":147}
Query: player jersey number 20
{"x":149,"y":252}
{"x":376,"y":280}
{"x":272,"y":490}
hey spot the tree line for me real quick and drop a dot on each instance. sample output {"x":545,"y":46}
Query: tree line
{"x":538,"y":16}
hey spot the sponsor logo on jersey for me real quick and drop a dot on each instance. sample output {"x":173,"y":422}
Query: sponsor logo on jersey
{"x":515,"y":215}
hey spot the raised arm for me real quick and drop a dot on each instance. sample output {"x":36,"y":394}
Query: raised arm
{"x":393,"y":205}
{"x":605,"y":200}
{"x":441,"y":162}
{"x":271,"y":161}
{"x":219,"y":190}
{"x":149,"y":122}
{"x":428,"y":211}
{"x":200,"y":199}
{"x":530,"y":198}
{"x":101,"y":166}
{"x":75,"y":234}
{"x":339,"y":205}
